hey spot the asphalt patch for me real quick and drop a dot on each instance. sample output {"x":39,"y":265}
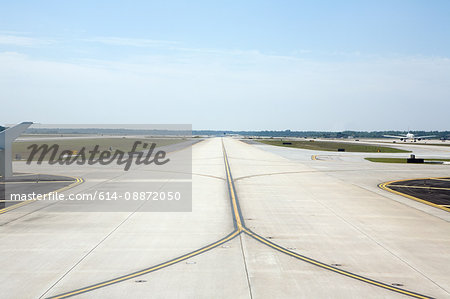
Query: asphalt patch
{"x":436,"y":191}
{"x":25,"y":184}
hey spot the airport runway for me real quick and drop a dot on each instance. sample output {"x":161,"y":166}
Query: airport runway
{"x":267,"y":222}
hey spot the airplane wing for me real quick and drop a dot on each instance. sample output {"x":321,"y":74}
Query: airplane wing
{"x":425,"y":136}
{"x":392,"y":136}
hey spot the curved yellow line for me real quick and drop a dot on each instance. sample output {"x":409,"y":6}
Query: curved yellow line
{"x":171,"y":262}
{"x":384,"y":186}
{"x":274,"y":246}
{"x":77,"y":182}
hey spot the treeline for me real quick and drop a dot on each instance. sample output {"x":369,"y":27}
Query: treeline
{"x":322,"y":134}
{"x":107,"y":131}
{"x":285,"y":133}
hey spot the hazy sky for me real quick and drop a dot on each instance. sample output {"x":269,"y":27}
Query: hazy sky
{"x":239,"y":65}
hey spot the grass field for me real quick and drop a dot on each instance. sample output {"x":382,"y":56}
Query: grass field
{"x":398,"y":160}
{"x":415,"y":143}
{"x":123,"y":144}
{"x":334,"y":146}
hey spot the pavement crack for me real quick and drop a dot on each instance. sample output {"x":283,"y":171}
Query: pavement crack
{"x":241,"y":240}
{"x":242,"y":228}
{"x":89,"y":252}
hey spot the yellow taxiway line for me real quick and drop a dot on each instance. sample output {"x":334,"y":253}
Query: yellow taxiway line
{"x":148,"y":270}
{"x":13,"y":207}
{"x":420,"y":187}
{"x":440,"y":179}
{"x":385,"y":186}
{"x":232,"y":191}
{"x":331,"y":268}
{"x":243,"y":228}
{"x":239,"y":228}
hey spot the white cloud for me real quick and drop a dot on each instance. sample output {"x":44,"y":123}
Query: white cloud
{"x":18,"y":40}
{"x":132,"y":42}
{"x":227,"y":91}
{"x":177,"y":47}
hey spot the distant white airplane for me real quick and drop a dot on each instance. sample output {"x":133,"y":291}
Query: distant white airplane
{"x":409,"y":136}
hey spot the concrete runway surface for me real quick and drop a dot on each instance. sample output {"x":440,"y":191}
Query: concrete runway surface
{"x":266,"y":222}
{"x":26,"y":184}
